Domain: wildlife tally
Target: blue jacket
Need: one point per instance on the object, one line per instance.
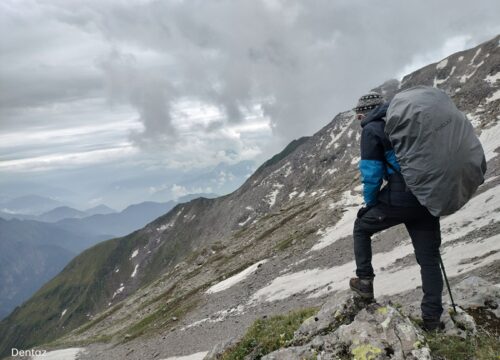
(376, 152)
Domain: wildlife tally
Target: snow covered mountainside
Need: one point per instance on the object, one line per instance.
(202, 273)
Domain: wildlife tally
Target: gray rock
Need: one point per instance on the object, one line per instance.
(474, 292)
(339, 309)
(463, 320)
(292, 353)
(382, 332)
(219, 349)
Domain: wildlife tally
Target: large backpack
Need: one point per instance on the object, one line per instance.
(441, 158)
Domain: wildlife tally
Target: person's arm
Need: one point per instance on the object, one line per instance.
(372, 165)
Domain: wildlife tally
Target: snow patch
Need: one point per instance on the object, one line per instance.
(218, 316)
(341, 229)
(302, 194)
(171, 223)
(442, 64)
(64, 312)
(475, 55)
(188, 218)
(319, 282)
(440, 81)
(249, 208)
(347, 199)
(495, 96)
(355, 160)
(492, 79)
(478, 212)
(271, 197)
(292, 195)
(334, 137)
(460, 58)
(63, 354)
(243, 223)
(490, 139)
(134, 254)
(331, 171)
(474, 119)
(197, 356)
(135, 271)
(287, 168)
(164, 227)
(226, 284)
(288, 171)
(118, 291)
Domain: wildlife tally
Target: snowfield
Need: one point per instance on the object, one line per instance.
(226, 284)
(64, 354)
(478, 212)
(197, 356)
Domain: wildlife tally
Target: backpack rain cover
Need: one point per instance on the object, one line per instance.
(441, 158)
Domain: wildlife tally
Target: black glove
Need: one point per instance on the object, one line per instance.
(363, 211)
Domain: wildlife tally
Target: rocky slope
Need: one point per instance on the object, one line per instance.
(200, 274)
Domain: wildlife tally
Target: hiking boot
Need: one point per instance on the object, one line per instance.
(362, 287)
(431, 324)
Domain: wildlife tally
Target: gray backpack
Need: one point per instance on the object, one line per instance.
(441, 158)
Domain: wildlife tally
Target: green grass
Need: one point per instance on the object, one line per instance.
(267, 335)
(484, 346)
(285, 243)
(162, 318)
(100, 318)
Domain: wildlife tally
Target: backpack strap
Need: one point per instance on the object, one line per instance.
(392, 167)
(397, 172)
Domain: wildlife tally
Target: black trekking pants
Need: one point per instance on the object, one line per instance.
(425, 235)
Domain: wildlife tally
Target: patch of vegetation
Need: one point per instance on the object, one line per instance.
(267, 335)
(282, 222)
(483, 346)
(164, 317)
(285, 243)
(100, 318)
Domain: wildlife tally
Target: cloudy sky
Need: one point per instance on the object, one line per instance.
(115, 102)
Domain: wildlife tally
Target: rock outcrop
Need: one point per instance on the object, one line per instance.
(347, 326)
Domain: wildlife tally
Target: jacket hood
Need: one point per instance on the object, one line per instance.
(376, 114)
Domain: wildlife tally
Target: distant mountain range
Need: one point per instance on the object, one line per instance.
(33, 251)
(28, 205)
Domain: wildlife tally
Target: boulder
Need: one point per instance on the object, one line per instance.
(382, 332)
(339, 309)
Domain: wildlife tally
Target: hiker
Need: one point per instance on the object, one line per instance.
(392, 205)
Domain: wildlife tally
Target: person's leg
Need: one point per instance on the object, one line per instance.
(378, 218)
(425, 234)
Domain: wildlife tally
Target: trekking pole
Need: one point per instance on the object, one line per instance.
(447, 284)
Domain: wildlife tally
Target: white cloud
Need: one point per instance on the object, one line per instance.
(179, 191)
(69, 160)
